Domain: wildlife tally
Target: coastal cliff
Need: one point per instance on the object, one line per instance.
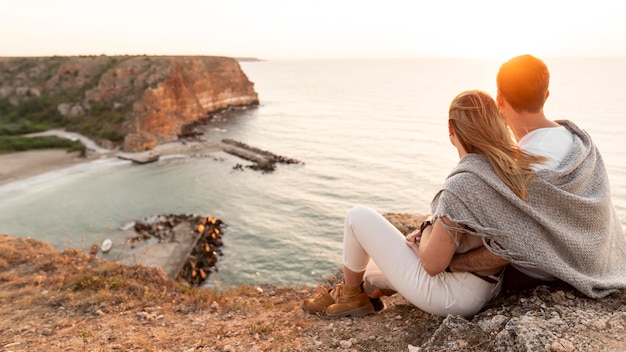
(132, 102)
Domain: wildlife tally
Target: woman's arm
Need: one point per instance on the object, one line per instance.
(435, 246)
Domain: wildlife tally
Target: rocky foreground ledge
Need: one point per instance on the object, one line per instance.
(74, 301)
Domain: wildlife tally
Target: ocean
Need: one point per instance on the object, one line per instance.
(371, 132)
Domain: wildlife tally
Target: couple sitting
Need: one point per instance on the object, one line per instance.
(540, 207)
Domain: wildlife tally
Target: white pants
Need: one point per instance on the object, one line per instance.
(373, 243)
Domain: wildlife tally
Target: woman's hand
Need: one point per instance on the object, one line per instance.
(413, 240)
(414, 237)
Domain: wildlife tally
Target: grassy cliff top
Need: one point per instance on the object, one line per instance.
(71, 301)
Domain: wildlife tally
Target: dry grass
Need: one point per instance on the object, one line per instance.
(71, 301)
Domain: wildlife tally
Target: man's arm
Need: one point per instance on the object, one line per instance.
(478, 259)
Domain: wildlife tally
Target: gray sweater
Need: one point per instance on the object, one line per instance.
(567, 227)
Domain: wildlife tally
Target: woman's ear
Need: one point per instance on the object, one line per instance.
(450, 129)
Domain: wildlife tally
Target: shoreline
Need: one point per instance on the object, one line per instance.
(19, 166)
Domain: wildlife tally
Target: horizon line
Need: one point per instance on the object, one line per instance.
(330, 58)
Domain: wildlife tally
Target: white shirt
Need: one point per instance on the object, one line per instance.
(555, 143)
(552, 142)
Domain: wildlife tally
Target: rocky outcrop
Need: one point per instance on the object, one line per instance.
(194, 87)
(136, 102)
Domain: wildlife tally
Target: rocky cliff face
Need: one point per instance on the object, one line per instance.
(136, 102)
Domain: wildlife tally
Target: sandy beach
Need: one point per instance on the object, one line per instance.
(20, 165)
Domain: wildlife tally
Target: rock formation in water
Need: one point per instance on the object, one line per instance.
(136, 102)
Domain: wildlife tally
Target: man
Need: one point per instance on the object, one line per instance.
(522, 91)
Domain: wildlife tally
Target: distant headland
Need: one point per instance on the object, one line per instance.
(130, 102)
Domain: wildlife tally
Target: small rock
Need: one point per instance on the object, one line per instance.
(600, 324)
(562, 345)
(142, 315)
(496, 323)
(414, 348)
(345, 344)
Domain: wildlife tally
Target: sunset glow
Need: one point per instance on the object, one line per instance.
(281, 29)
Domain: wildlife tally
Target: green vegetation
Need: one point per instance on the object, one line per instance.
(22, 114)
(33, 114)
(17, 144)
(53, 64)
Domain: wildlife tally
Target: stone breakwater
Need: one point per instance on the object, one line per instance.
(202, 234)
(203, 257)
(264, 160)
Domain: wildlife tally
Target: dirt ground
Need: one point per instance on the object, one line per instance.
(70, 301)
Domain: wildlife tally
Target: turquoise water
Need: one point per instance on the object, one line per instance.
(369, 132)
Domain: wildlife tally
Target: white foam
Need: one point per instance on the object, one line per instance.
(64, 173)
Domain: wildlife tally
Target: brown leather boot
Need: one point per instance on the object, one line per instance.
(376, 292)
(351, 301)
(322, 300)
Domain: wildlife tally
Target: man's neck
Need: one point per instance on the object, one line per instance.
(522, 124)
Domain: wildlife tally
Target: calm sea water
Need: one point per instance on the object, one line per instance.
(369, 132)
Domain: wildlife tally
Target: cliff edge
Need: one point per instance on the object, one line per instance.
(72, 301)
(133, 102)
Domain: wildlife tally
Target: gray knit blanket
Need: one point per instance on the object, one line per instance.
(567, 227)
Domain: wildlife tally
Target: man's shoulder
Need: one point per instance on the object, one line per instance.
(544, 137)
(554, 143)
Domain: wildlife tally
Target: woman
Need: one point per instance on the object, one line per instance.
(415, 266)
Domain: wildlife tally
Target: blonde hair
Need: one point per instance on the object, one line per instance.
(481, 129)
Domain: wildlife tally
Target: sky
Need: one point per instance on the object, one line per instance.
(320, 29)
